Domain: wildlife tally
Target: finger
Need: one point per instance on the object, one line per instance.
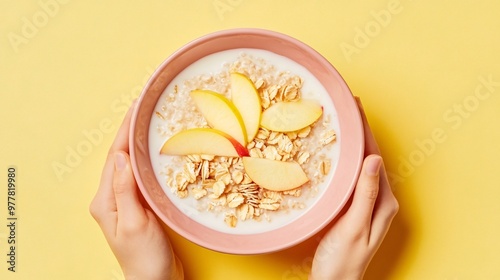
(104, 200)
(384, 211)
(103, 206)
(120, 144)
(128, 205)
(386, 206)
(366, 193)
(371, 146)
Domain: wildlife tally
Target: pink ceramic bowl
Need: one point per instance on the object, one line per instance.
(327, 206)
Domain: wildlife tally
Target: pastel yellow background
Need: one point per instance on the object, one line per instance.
(428, 73)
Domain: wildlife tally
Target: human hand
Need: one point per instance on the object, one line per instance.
(354, 237)
(134, 234)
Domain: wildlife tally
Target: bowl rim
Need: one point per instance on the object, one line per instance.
(357, 147)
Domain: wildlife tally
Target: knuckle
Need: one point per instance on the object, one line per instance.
(371, 191)
(395, 207)
(95, 210)
(120, 186)
(133, 227)
(390, 209)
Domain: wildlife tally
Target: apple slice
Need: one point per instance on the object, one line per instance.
(291, 116)
(220, 114)
(203, 141)
(274, 175)
(247, 100)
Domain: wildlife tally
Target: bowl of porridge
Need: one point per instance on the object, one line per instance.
(246, 141)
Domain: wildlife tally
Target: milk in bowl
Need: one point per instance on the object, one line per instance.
(238, 164)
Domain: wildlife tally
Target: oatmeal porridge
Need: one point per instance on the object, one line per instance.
(219, 190)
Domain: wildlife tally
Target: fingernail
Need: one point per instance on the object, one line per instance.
(372, 167)
(120, 161)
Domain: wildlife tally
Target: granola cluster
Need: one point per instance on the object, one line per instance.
(220, 183)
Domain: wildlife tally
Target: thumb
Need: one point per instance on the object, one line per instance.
(128, 205)
(366, 191)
